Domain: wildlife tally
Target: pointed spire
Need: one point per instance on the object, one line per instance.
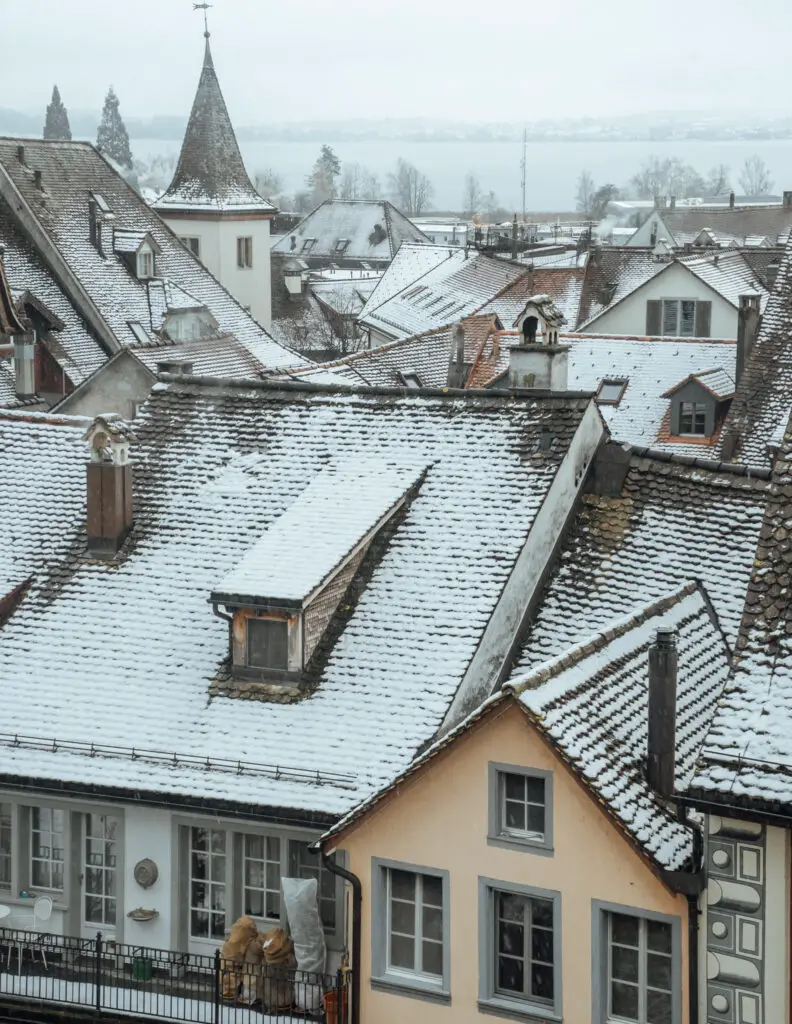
(210, 173)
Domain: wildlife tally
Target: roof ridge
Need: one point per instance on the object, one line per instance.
(619, 627)
(692, 461)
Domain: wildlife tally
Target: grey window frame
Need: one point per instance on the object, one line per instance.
(67, 901)
(236, 829)
(496, 833)
(492, 1002)
(192, 243)
(600, 959)
(7, 856)
(418, 986)
(142, 258)
(698, 409)
(615, 382)
(244, 246)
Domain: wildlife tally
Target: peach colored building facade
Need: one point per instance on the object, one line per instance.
(438, 819)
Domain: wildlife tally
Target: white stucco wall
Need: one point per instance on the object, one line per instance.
(629, 315)
(250, 286)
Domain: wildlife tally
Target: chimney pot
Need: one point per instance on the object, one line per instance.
(661, 759)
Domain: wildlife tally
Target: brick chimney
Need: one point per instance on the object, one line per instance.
(109, 480)
(748, 318)
(661, 759)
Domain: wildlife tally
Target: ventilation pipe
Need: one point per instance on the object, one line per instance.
(661, 760)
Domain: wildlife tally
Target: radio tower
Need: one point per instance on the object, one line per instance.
(524, 167)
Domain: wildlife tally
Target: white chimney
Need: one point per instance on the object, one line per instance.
(25, 365)
(545, 367)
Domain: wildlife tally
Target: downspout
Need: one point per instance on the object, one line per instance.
(229, 619)
(357, 904)
(693, 921)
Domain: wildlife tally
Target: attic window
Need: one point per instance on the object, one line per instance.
(308, 244)
(145, 263)
(693, 419)
(341, 245)
(285, 591)
(610, 392)
(139, 331)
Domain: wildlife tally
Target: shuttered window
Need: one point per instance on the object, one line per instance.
(678, 318)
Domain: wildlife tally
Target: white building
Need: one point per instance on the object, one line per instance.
(212, 205)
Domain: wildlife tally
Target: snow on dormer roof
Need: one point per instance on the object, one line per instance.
(717, 381)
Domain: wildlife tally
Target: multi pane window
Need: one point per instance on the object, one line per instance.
(523, 806)
(47, 847)
(268, 644)
(693, 418)
(640, 972)
(5, 846)
(415, 922)
(245, 252)
(145, 263)
(261, 865)
(101, 852)
(304, 863)
(208, 870)
(679, 318)
(524, 948)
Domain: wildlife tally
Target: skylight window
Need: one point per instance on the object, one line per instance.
(410, 379)
(308, 244)
(611, 391)
(341, 245)
(139, 331)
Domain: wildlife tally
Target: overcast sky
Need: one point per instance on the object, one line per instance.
(511, 60)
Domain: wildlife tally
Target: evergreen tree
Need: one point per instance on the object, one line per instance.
(57, 125)
(322, 181)
(112, 137)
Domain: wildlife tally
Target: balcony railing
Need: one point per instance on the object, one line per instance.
(112, 977)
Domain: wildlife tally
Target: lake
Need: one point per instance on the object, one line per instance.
(553, 167)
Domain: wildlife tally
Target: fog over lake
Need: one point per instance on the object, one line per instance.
(553, 167)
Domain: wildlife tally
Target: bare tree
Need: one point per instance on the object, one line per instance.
(493, 211)
(351, 182)
(669, 177)
(717, 181)
(411, 190)
(755, 178)
(268, 183)
(370, 187)
(585, 192)
(473, 197)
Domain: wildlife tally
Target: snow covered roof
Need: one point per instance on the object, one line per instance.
(672, 521)
(222, 356)
(104, 289)
(351, 229)
(764, 392)
(747, 755)
(717, 381)
(592, 704)
(28, 275)
(614, 273)
(316, 535)
(210, 174)
(457, 284)
(215, 466)
(767, 221)
(562, 284)
(131, 241)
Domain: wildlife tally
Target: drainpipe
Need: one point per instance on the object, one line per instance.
(693, 921)
(357, 904)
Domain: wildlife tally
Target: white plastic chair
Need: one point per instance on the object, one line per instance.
(42, 911)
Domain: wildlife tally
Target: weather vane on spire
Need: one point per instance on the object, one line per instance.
(204, 7)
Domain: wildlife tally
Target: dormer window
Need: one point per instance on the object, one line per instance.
(699, 404)
(283, 594)
(145, 263)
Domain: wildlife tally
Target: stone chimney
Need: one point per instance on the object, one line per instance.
(771, 275)
(661, 752)
(748, 318)
(109, 479)
(457, 371)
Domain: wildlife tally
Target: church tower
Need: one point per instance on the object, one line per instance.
(212, 205)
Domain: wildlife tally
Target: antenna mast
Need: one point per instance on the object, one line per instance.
(524, 167)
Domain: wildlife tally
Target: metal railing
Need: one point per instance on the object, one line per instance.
(110, 977)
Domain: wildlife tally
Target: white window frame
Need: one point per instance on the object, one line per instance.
(677, 332)
(600, 982)
(502, 1004)
(235, 879)
(50, 860)
(7, 845)
(146, 263)
(106, 870)
(244, 252)
(433, 987)
(499, 834)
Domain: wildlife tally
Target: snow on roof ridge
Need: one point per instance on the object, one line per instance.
(619, 627)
